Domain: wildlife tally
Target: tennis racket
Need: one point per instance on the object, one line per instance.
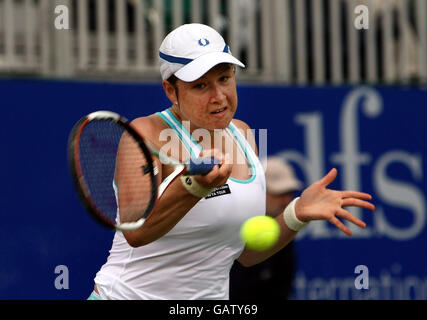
(114, 173)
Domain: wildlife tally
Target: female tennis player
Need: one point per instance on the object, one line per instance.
(186, 247)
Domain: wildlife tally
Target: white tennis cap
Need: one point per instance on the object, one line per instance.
(280, 177)
(191, 50)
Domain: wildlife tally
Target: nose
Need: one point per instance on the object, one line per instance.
(217, 94)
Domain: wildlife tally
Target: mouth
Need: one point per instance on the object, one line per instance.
(219, 112)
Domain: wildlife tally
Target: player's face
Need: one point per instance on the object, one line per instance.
(210, 102)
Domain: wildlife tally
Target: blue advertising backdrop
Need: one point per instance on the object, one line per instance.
(375, 136)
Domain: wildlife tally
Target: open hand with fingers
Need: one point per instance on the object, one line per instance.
(317, 202)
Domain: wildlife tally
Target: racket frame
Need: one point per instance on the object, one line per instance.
(78, 177)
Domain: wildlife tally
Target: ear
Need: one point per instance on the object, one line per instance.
(170, 91)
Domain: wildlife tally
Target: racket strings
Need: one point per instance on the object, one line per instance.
(116, 181)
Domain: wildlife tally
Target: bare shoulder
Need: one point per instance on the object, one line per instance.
(241, 124)
(149, 126)
(152, 121)
(244, 128)
(247, 132)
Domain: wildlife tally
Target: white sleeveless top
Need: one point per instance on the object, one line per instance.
(193, 260)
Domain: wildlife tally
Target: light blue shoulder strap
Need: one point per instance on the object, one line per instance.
(193, 148)
(246, 149)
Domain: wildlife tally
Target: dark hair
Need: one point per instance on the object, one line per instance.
(172, 80)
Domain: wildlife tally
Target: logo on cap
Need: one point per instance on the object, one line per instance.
(203, 42)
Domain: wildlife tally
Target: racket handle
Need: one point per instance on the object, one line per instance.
(201, 166)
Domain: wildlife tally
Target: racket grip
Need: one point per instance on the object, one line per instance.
(201, 166)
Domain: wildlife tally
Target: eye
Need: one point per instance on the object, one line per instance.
(224, 78)
(199, 85)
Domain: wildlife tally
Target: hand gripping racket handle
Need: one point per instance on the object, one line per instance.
(201, 166)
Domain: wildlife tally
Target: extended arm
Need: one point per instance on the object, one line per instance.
(317, 202)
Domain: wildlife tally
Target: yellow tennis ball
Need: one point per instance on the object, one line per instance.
(260, 232)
